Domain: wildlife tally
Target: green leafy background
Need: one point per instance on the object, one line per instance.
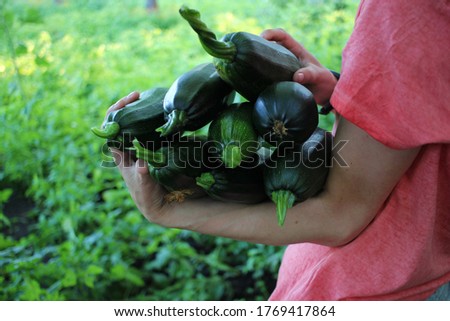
(68, 227)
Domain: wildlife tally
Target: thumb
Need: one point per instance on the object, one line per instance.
(142, 169)
(305, 75)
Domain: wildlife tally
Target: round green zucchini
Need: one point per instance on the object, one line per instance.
(285, 112)
(295, 174)
(233, 135)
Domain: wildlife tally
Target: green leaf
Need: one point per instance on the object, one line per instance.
(118, 272)
(5, 242)
(32, 15)
(5, 194)
(4, 221)
(134, 277)
(7, 17)
(89, 281)
(70, 279)
(31, 290)
(21, 49)
(162, 258)
(41, 61)
(94, 270)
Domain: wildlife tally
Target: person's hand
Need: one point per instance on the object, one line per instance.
(313, 75)
(146, 193)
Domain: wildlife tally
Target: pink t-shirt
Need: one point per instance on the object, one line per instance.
(395, 84)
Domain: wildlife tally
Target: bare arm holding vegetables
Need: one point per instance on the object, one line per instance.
(350, 200)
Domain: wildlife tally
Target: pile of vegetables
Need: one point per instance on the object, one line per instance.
(263, 141)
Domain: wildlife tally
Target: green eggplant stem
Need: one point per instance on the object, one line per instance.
(284, 200)
(109, 130)
(175, 121)
(220, 49)
(156, 159)
(205, 181)
(232, 156)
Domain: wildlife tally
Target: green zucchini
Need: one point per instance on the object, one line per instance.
(194, 99)
(298, 173)
(137, 120)
(239, 185)
(285, 112)
(233, 136)
(176, 166)
(249, 63)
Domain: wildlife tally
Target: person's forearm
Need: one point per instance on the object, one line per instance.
(311, 221)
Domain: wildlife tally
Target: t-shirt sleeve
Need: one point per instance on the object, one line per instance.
(395, 77)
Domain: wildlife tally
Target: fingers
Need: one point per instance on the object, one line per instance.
(277, 35)
(122, 159)
(319, 80)
(133, 96)
(283, 38)
(126, 162)
(124, 101)
(306, 75)
(142, 168)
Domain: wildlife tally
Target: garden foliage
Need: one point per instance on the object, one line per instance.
(68, 227)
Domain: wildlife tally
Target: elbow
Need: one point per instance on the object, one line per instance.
(347, 224)
(341, 238)
(336, 239)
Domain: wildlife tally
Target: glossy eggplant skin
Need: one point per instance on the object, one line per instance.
(137, 120)
(234, 136)
(299, 172)
(239, 185)
(194, 99)
(285, 112)
(258, 63)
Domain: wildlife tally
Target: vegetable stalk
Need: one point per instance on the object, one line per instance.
(232, 157)
(205, 181)
(156, 159)
(220, 49)
(108, 131)
(176, 119)
(284, 200)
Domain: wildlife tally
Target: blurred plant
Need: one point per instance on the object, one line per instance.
(61, 66)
